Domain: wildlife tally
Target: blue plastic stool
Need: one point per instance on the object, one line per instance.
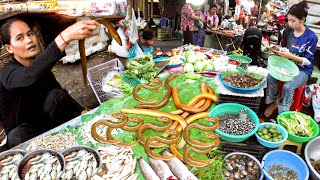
(164, 22)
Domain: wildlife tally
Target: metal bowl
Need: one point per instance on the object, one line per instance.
(32, 154)
(13, 152)
(311, 149)
(89, 149)
(244, 154)
(266, 55)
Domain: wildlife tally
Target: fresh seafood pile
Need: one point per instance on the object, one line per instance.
(81, 165)
(231, 123)
(85, 129)
(242, 80)
(8, 166)
(169, 169)
(58, 142)
(117, 163)
(241, 166)
(42, 166)
(279, 172)
(316, 165)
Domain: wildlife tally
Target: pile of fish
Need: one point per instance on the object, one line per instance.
(58, 142)
(8, 167)
(165, 169)
(80, 165)
(117, 163)
(242, 80)
(238, 166)
(42, 166)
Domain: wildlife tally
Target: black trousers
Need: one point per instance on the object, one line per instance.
(187, 36)
(58, 107)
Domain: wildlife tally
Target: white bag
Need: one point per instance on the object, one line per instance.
(316, 103)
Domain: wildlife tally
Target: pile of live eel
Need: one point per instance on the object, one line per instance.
(177, 118)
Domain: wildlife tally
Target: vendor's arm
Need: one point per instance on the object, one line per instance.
(19, 77)
(156, 50)
(309, 53)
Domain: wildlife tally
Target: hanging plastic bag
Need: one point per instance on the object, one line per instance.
(111, 84)
(316, 103)
(121, 51)
(135, 51)
(133, 31)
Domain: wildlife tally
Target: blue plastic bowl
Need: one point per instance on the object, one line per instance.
(271, 144)
(286, 159)
(241, 90)
(234, 108)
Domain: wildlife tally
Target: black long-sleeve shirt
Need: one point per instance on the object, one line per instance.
(23, 89)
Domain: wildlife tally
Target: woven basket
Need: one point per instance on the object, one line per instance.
(282, 69)
(5, 56)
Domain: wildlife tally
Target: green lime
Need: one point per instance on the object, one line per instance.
(272, 131)
(260, 130)
(275, 139)
(267, 126)
(267, 137)
(280, 137)
(274, 127)
(278, 132)
(265, 131)
(260, 134)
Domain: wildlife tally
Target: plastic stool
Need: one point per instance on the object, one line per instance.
(288, 142)
(316, 74)
(298, 96)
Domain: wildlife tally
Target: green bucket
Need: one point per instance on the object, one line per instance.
(281, 68)
(300, 139)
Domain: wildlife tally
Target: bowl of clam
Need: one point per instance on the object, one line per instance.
(41, 164)
(238, 165)
(82, 162)
(9, 161)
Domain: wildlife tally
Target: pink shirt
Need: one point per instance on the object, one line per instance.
(213, 19)
(186, 17)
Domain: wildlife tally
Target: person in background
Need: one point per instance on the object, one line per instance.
(31, 99)
(147, 45)
(251, 44)
(187, 23)
(301, 48)
(212, 22)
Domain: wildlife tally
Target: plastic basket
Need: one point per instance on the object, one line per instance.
(95, 75)
(131, 81)
(282, 69)
(164, 33)
(251, 102)
(244, 60)
(250, 146)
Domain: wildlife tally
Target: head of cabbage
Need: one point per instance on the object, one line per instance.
(188, 67)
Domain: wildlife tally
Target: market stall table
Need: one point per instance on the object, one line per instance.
(219, 34)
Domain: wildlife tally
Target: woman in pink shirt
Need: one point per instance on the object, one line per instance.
(187, 22)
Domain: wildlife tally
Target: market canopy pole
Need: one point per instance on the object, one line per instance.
(145, 9)
(151, 9)
(260, 8)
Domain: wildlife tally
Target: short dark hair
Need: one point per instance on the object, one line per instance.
(5, 29)
(213, 6)
(299, 10)
(147, 35)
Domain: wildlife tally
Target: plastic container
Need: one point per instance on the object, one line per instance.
(131, 81)
(282, 69)
(244, 60)
(240, 90)
(300, 139)
(32, 154)
(271, 144)
(312, 151)
(286, 159)
(234, 108)
(244, 154)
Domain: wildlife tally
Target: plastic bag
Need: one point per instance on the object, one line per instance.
(316, 103)
(121, 51)
(133, 31)
(111, 84)
(135, 51)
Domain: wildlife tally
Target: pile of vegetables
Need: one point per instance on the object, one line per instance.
(298, 124)
(197, 62)
(142, 67)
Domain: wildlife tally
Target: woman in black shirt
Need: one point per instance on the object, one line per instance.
(31, 99)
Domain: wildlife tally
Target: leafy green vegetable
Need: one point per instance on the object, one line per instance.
(211, 172)
(298, 124)
(126, 88)
(142, 67)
